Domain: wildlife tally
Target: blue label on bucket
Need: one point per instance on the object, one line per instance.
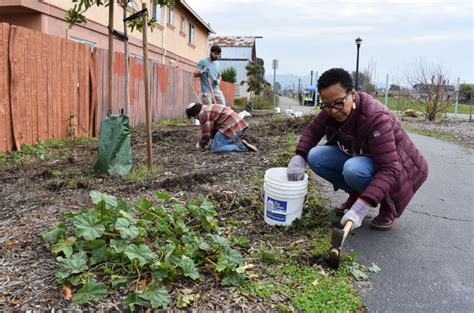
(276, 206)
(276, 217)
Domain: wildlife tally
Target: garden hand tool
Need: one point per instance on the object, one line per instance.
(337, 240)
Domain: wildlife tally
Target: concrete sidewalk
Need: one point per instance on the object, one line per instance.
(427, 258)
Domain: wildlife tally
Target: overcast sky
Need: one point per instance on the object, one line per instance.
(316, 35)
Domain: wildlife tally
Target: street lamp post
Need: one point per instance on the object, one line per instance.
(358, 42)
(311, 84)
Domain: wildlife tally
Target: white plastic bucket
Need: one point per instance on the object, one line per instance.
(284, 199)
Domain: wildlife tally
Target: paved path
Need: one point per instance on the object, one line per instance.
(427, 259)
(288, 103)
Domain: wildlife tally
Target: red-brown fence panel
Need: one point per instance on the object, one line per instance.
(170, 89)
(6, 136)
(50, 89)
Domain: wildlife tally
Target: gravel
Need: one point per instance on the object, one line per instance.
(460, 132)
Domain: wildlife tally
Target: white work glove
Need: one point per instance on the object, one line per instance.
(218, 82)
(198, 146)
(356, 214)
(295, 169)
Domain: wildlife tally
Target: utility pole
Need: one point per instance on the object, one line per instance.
(386, 91)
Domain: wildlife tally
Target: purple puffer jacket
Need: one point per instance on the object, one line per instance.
(373, 130)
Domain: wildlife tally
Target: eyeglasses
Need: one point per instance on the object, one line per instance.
(338, 105)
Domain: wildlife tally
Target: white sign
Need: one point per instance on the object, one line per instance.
(274, 64)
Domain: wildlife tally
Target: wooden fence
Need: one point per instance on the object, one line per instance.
(52, 88)
(5, 115)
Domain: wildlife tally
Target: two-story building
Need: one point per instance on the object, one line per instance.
(180, 38)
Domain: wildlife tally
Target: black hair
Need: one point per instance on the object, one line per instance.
(335, 76)
(216, 48)
(194, 110)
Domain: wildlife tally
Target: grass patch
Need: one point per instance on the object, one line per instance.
(42, 150)
(173, 122)
(425, 132)
(141, 173)
(257, 103)
(305, 289)
(412, 104)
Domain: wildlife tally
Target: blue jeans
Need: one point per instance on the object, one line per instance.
(222, 143)
(343, 171)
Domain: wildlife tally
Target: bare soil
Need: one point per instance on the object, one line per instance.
(34, 194)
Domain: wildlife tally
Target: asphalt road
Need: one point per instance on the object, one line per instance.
(427, 259)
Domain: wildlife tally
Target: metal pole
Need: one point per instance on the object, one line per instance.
(111, 56)
(386, 91)
(274, 87)
(357, 69)
(470, 110)
(299, 91)
(316, 93)
(358, 41)
(147, 95)
(457, 98)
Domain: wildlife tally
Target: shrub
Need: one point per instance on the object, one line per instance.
(229, 75)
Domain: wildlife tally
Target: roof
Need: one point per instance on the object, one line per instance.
(190, 10)
(236, 53)
(233, 41)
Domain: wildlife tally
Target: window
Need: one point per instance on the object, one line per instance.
(132, 4)
(191, 33)
(183, 23)
(170, 15)
(136, 56)
(83, 41)
(158, 13)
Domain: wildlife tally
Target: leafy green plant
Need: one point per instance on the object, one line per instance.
(229, 75)
(359, 271)
(73, 128)
(144, 245)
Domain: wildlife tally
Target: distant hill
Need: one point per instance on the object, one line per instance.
(287, 80)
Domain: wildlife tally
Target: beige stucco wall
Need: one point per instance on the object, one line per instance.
(173, 42)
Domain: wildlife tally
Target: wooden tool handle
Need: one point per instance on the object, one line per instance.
(346, 230)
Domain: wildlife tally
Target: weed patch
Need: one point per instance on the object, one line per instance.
(305, 288)
(141, 173)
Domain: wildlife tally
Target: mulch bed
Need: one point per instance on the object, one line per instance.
(34, 194)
